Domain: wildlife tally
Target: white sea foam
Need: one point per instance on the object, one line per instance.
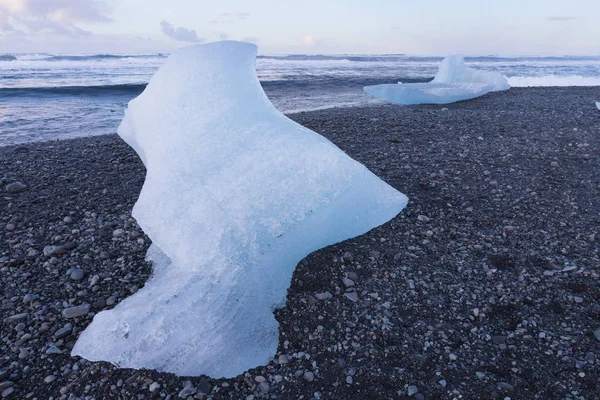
(554, 80)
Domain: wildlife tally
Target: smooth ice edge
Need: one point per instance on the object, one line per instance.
(428, 93)
(453, 82)
(453, 70)
(236, 194)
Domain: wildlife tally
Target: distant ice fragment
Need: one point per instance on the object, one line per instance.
(428, 93)
(453, 70)
(236, 194)
(598, 105)
(453, 82)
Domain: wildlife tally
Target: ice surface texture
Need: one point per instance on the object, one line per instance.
(453, 70)
(236, 194)
(453, 82)
(428, 93)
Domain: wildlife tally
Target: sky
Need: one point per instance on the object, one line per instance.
(419, 27)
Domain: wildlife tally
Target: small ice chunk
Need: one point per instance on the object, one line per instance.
(453, 70)
(453, 82)
(235, 195)
(428, 93)
(598, 105)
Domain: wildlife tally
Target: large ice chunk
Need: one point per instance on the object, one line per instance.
(428, 93)
(453, 70)
(236, 194)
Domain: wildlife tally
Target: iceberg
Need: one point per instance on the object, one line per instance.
(453, 70)
(453, 82)
(236, 194)
(428, 93)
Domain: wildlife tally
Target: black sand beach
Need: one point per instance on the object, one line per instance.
(487, 286)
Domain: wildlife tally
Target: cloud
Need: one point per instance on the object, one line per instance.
(560, 18)
(180, 34)
(60, 17)
(229, 17)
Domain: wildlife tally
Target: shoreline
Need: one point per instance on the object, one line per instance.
(486, 286)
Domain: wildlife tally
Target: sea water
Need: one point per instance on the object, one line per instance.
(58, 96)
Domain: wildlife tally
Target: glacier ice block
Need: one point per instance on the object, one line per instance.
(428, 93)
(235, 195)
(453, 70)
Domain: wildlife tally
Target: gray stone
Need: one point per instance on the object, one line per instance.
(53, 349)
(67, 220)
(29, 298)
(77, 274)
(323, 296)
(118, 233)
(348, 257)
(283, 359)
(153, 386)
(50, 250)
(597, 333)
(77, 311)
(309, 376)
(412, 390)
(352, 296)
(349, 380)
(15, 187)
(50, 379)
(7, 392)
(348, 282)
(264, 387)
(16, 317)
(64, 331)
(260, 379)
(187, 390)
(507, 387)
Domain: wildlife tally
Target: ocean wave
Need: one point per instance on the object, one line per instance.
(73, 90)
(7, 57)
(554, 80)
(92, 57)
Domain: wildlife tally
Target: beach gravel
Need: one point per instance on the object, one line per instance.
(485, 287)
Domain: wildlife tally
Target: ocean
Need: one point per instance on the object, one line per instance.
(59, 96)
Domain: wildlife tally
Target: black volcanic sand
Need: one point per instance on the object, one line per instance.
(487, 286)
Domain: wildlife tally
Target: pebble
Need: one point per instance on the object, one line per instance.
(16, 317)
(480, 374)
(153, 386)
(67, 220)
(264, 387)
(260, 379)
(412, 390)
(118, 233)
(323, 296)
(505, 386)
(309, 376)
(15, 187)
(77, 311)
(349, 380)
(554, 164)
(423, 218)
(188, 390)
(348, 282)
(352, 296)
(283, 359)
(77, 274)
(8, 392)
(64, 331)
(50, 379)
(348, 257)
(597, 333)
(29, 298)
